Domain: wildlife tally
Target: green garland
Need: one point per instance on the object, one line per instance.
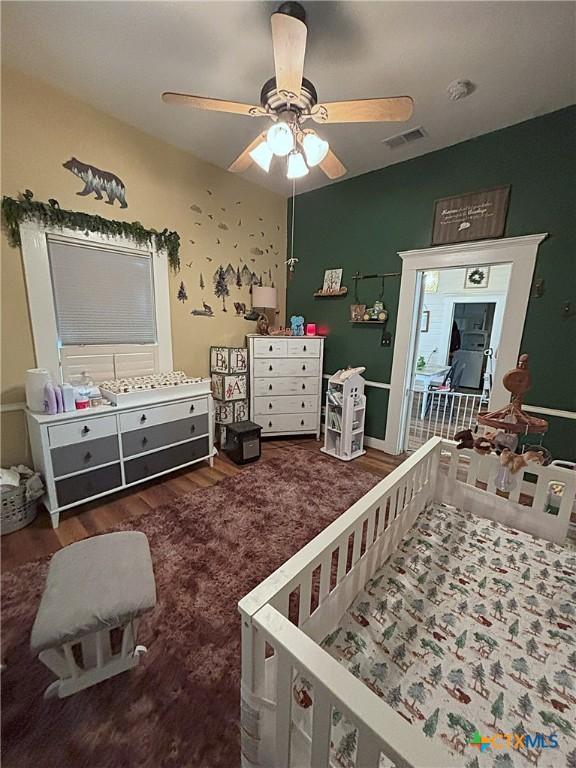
(49, 214)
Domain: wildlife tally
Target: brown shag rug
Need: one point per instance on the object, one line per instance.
(180, 706)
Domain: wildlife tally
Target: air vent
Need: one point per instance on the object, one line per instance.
(404, 138)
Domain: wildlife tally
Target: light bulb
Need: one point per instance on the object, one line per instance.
(262, 155)
(280, 139)
(315, 149)
(296, 166)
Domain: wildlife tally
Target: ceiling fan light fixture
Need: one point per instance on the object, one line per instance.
(280, 139)
(296, 166)
(315, 149)
(262, 156)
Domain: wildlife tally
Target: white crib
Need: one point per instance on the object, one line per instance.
(274, 649)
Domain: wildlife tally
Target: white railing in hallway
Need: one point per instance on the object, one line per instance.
(441, 414)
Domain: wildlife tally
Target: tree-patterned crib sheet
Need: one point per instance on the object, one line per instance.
(468, 633)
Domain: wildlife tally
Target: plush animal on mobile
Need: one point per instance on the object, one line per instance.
(297, 325)
(98, 182)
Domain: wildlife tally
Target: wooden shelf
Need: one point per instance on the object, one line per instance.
(322, 295)
(368, 322)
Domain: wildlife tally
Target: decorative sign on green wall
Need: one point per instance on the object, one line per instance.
(476, 216)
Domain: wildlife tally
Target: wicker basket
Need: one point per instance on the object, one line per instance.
(18, 508)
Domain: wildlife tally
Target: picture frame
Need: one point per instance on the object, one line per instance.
(425, 321)
(332, 280)
(357, 312)
(477, 277)
(472, 216)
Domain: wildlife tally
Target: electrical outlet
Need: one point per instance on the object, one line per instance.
(386, 339)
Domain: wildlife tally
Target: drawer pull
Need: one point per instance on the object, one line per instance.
(143, 418)
(303, 405)
(144, 441)
(269, 387)
(304, 347)
(269, 423)
(85, 430)
(303, 386)
(269, 405)
(304, 367)
(269, 367)
(87, 456)
(270, 348)
(192, 427)
(302, 422)
(192, 408)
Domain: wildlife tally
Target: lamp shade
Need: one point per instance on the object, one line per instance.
(264, 296)
(262, 155)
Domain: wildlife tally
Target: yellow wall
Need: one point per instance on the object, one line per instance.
(41, 128)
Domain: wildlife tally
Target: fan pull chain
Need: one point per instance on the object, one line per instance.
(292, 260)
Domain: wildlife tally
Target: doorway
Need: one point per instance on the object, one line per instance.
(518, 252)
(459, 336)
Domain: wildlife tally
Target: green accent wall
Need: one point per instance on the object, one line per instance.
(361, 224)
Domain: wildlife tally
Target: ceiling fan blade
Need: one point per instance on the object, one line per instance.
(332, 167)
(396, 108)
(289, 42)
(213, 105)
(244, 161)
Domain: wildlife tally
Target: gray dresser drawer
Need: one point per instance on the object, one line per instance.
(88, 484)
(142, 440)
(73, 458)
(161, 461)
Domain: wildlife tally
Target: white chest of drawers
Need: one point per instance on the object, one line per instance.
(286, 383)
(83, 455)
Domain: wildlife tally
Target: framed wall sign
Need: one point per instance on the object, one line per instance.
(475, 216)
(477, 277)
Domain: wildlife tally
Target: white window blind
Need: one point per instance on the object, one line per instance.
(101, 295)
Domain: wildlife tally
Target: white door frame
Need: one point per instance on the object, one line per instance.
(520, 253)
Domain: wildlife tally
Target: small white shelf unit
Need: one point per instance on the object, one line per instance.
(345, 416)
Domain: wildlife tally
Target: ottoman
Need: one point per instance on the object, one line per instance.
(93, 587)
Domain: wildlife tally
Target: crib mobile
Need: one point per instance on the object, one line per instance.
(509, 422)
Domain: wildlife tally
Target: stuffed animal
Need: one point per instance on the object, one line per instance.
(297, 324)
(464, 438)
(483, 446)
(501, 440)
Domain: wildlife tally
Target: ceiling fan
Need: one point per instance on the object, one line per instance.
(289, 100)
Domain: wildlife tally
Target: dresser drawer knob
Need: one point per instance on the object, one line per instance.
(269, 423)
(143, 418)
(269, 405)
(87, 456)
(192, 427)
(269, 367)
(304, 367)
(304, 347)
(270, 348)
(85, 430)
(269, 387)
(192, 408)
(144, 441)
(303, 405)
(302, 422)
(303, 386)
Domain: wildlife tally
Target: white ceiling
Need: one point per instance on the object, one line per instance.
(120, 56)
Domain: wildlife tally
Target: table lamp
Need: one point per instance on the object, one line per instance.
(263, 298)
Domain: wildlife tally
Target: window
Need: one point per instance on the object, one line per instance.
(102, 296)
(98, 305)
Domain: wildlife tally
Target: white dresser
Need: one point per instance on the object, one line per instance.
(85, 454)
(286, 383)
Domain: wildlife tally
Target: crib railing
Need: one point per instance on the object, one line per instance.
(311, 591)
(285, 617)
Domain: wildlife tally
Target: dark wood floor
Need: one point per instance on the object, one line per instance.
(40, 539)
